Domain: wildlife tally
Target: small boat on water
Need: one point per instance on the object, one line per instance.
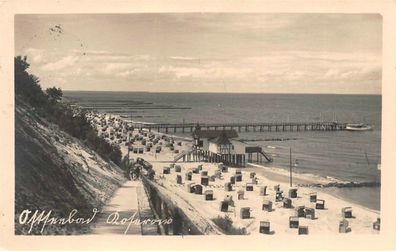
(358, 127)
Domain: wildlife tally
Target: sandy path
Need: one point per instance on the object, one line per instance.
(125, 202)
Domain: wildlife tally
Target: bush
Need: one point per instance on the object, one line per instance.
(225, 224)
(27, 87)
(54, 94)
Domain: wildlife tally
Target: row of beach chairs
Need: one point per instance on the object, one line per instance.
(245, 212)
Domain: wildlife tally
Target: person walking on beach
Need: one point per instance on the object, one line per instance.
(137, 172)
(131, 173)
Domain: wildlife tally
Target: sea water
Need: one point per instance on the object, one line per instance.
(336, 155)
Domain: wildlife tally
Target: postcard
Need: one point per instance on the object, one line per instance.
(186, 120)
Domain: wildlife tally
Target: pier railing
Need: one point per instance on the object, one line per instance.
(246, 127)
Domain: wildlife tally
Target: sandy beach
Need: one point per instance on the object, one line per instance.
(326, 221)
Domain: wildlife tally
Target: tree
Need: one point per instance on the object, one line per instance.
(27, 85)
(54, 94)
(28, 89)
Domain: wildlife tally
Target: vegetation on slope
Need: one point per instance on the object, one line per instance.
(47, 104)
(53, 170)
(225, 224)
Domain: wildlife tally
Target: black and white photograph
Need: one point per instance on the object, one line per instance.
(197, 125)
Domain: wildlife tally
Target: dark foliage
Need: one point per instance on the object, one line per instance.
(225, 224)
(54, 94)
(27, 87)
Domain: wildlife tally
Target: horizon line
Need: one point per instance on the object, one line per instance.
(296, 93)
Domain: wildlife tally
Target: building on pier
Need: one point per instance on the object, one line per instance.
(222, 146)
(203, 138)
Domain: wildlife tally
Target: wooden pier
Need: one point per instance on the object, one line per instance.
(235, 160)
(246, 127)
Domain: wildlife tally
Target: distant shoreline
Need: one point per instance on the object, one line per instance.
(247, 93)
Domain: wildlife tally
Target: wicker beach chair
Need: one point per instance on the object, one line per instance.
(343, 226)
(198, 189)
(209, 195)
(293, 193)
(267, 205)
(309, 213)
(279, 196)
(303, 230)
(249, 187)
(313, 196)
(228, 186)
(263, 191)
(300, 211)
(179, 179)
(245, 213)
(346, 212)
(224, 206)
(320, 204)
(177, 168)
(232, 179)
(293, 222)
(166, 170)
(287, 203)
(264, 227)
(241, 195)
(205, 180)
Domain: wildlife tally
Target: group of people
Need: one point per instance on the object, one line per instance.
(134, 172)
(136, 169)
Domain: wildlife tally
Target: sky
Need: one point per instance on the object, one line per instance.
(204, 52)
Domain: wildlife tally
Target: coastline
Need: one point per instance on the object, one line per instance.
(281, 175)
(268, 176)
(337, 192)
